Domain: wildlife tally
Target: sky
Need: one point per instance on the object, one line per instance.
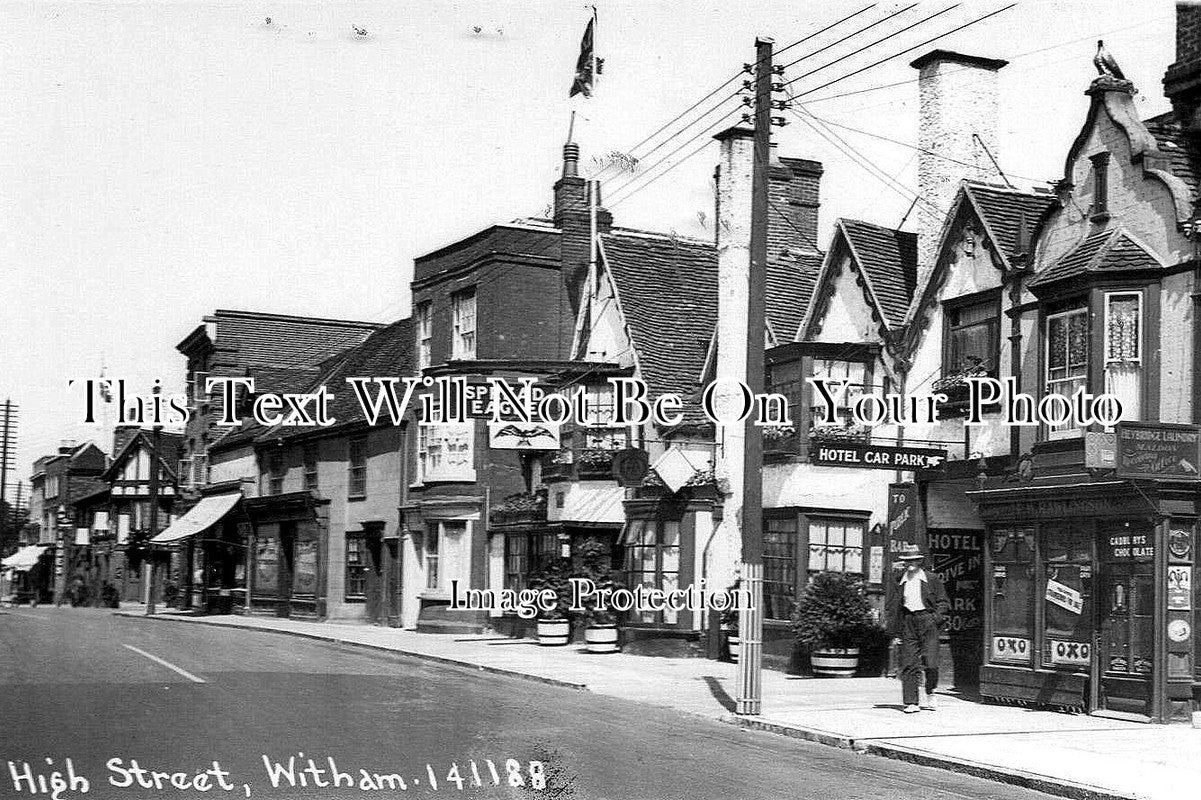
(159, 161)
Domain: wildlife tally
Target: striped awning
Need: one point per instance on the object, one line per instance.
(202, 516)
(24, 559)
(586, 502)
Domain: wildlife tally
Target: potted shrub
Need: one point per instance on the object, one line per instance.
(600, 634)
(832, 619)
(729, 627)
(554, 626)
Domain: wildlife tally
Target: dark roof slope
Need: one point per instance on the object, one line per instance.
(1003, 210)
(889, 259)
(286, 341)
(789, 289)
(1183, 154)
(1105, 251)
(668, 291)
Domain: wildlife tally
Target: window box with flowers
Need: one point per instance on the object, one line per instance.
(781, 439)
(520, 509)
(839, 433)
(593, 463)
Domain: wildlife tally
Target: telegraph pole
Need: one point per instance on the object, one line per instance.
(6, 436)
(750, 621)
(154, 468)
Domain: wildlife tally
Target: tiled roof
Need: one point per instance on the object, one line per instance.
(286, 341)
(386, 353)
(668, 290)
(789, 288)
(1003, 210)
(1182, 153)
(1107, 250)
(889, 259)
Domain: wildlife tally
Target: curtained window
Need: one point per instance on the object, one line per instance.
(1067, 358)
(1123, 350)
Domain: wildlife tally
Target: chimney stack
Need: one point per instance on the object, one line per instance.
(572, 215)
(794, 186)
(957, 103)
(122, 435)
(1182, 81)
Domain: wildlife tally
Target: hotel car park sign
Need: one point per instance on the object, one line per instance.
(874, 456)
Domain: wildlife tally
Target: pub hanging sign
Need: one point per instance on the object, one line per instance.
(1158, 450)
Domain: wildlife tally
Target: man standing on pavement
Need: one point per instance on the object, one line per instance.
(916, 613)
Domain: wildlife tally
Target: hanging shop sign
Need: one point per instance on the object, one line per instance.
(876, 456)
(1180, 587)
(630, 466)
(902, 516)
(523, 436)
(1158, 450)
(1100, 450)
(1064, 596)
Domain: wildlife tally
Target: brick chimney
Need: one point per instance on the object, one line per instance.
(122, 435)
(1182, 81)
(793, 187)
(957, 103)
(573, 216)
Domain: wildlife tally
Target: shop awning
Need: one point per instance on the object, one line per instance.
(205, 514)
(24, 559)
(595, 504)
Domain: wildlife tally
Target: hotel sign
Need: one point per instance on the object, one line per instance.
(873, 456)
(1158, 450)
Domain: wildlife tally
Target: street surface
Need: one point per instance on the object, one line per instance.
(84, 685)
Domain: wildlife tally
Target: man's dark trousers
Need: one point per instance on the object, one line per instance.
(919, 643)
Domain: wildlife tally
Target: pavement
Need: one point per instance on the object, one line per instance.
(1071, 755)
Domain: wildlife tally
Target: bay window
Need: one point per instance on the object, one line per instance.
(446, 555)
(446, 452)
(653, 560)
(855, 373)
(1124, 350)
(1066, 358)
(779, 566)
(836, 545)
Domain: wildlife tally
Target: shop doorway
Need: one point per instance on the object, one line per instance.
(1126, 647)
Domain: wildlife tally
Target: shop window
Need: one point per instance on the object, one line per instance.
(973, 343)
(425, 335)
(304, 570)
(1066, 358)
(310, 466)
(1124, 350)
(779, 567)
(1013, 594)
(356, 566)
(835, 545)
(266, 564)
(463, 322)
(525, 554)
(653, 560)
(1068, 607)
(357, 466)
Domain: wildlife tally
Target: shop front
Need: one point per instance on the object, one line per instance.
(210, 542)
(286, 555)
(1088, 603)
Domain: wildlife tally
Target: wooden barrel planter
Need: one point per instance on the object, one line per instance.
(835, 663)
(553, 632)
(601, 638)
(733, 644)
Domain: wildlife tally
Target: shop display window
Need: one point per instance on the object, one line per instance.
(1068, 595)
(1013, 594)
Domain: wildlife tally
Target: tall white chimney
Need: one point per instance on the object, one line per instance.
(733, 239)
(958, 111)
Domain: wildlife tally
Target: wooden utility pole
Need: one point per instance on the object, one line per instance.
(154, 468)
(5, 456)
(750, 622)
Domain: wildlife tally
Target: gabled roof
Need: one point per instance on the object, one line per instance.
(667, 291)
(667, 288)
(1110, 250)
(1003, 210)
(170, 448)
(886, 261)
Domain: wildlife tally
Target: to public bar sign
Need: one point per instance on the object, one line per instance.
(875, 456)
(1158, 450)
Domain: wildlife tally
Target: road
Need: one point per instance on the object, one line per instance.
(106, 691)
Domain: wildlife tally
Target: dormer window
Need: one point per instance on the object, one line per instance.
(1100, 185)
(1066, 358)
(973, 337)
(1124, 350)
